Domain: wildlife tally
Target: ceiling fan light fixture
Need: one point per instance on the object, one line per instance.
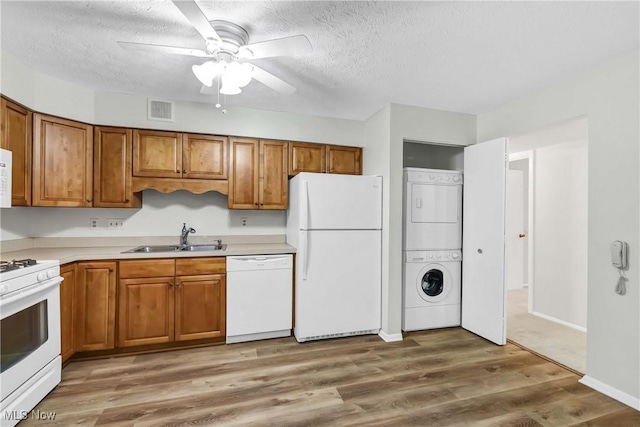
(228, 85)
(230, 90)
(238, 74)
(206, 72)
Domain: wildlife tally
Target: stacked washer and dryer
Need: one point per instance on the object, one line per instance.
(432, 243)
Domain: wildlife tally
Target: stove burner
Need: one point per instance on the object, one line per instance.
(16, 264)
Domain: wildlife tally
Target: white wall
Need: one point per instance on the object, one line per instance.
(376, 154)
(609, 96)
(161, 214)
(422, 155)
(560, 232)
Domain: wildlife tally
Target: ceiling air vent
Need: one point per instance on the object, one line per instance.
(158, 109)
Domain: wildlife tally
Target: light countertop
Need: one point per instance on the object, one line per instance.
(90, 253)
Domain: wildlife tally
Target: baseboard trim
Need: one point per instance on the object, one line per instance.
(390, 337)
(561, 322)
(614, 393)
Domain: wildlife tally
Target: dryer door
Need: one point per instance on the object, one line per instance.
(434, 203)
(434, 283)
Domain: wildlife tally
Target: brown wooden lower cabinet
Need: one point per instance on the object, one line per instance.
(145, 311)
(67, 288)
(95, 306)
(200, 307)
(162, 309)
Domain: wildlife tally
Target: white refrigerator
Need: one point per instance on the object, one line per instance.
(334, 222)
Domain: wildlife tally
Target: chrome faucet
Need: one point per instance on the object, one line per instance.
(185, 234)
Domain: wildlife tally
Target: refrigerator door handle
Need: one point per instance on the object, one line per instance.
(304, 215)
(305, 251)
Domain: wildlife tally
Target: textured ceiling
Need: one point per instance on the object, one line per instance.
(457, 56)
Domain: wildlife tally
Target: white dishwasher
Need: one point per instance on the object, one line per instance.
(259, 297)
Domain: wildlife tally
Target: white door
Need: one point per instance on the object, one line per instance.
(515, 229)
(483, 245)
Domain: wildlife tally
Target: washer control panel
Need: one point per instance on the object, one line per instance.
(430, 256)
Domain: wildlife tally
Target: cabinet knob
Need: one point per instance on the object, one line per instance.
(178, 171)
(88, 200)
(126, 200)
(261, 204)
(256, 203)
(184, 171)
(170, 284)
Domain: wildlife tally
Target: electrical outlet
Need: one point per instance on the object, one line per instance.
(244, 221)
(93, 223)
(115, 223)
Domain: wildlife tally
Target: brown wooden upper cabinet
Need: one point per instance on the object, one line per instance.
(16, 137)
(306, 157)
(258, 174)
(112, 169)
(162, 154)
(62, 162)
(344, 160)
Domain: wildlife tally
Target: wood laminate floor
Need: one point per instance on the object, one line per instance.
(446, 377)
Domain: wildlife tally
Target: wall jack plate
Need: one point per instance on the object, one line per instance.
(115, 223)
(93, 223)
(244, 221)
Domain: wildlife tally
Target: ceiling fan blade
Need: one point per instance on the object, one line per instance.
(272, 81)
(294, 45)
(194, 14)
(164, 49)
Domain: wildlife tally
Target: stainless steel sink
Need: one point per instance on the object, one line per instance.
(197, 248)
(152, 249)
(176, 248)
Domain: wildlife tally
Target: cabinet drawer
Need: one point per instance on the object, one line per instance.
(195, 266)
(147, 268)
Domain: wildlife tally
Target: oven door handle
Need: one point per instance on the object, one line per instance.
(33, 290)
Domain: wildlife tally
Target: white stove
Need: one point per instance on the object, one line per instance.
(16, 275)
(30, 362)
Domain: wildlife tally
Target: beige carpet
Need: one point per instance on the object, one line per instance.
(553, 340)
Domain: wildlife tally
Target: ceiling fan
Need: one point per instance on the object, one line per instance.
(227, 48)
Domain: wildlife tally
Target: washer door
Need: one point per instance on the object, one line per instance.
(433, 283)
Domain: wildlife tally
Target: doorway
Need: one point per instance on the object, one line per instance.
(546, 241)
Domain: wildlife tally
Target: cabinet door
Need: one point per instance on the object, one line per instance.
(344, 160)
(204, 156)
(200, 307)
(273, 175)
(67, 291)
(304, 157)
(145, 311)
(95, 306)
(157, 154)
(243, 174)
(16, 137)
(62, 162)
(112, 169)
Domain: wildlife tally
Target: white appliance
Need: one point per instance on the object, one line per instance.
(334, 222)
(30, 359)
(259, 297)
(433, 209)
(5, 178)
(432, 289)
